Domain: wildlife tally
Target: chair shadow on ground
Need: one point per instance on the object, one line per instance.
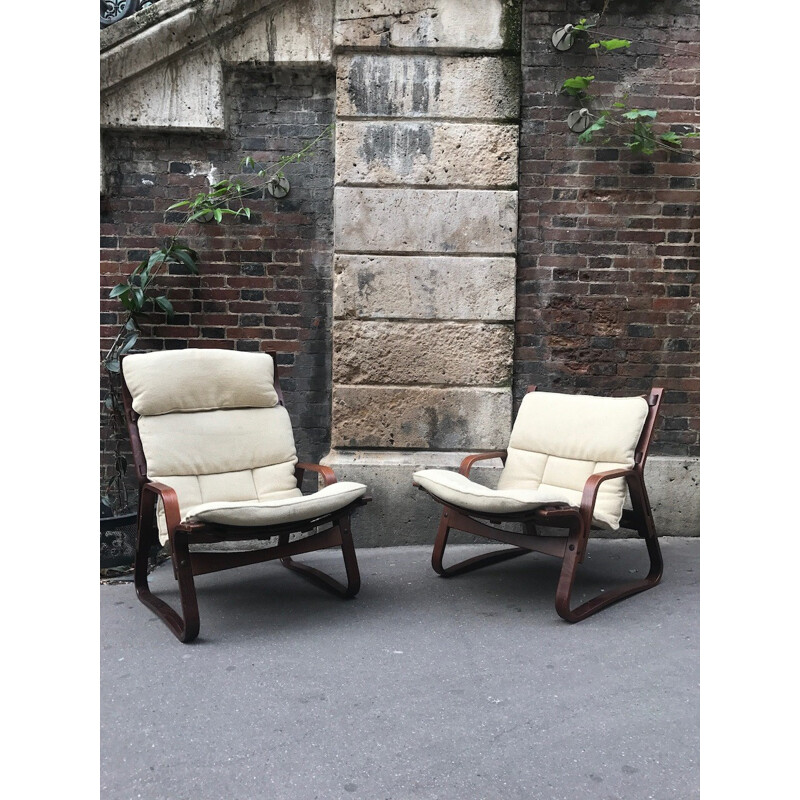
(265, 599)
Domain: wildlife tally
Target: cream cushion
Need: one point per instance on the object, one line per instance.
(199, 380)
(274, 512)
(452, 487)
(212, 428)
(557, 442)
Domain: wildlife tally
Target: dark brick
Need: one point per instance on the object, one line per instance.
(632, 246)
(607, 155)
(643, 168)
(640, 331)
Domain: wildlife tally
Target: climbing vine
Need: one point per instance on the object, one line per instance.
(637, 126)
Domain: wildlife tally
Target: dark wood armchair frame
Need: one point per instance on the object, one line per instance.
(186, 564)
(577, 520)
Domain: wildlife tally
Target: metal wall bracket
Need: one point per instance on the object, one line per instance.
(278, 187)
(564, 38)
(578, 121)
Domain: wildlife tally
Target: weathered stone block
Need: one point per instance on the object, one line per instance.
(434, 353)
(424, 287)
(425, 221)
(184, 93)
(477, 87)
(293, 33)
(420, 418)
(432, 153)
(467, 24)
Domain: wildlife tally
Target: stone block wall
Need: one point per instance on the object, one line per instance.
(425, 233)
(425, 223)
(264, 284)
(608, 279)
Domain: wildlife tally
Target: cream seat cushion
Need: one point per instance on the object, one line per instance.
(274, 512)
(452, 487)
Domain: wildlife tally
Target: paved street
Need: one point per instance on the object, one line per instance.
(469, 688)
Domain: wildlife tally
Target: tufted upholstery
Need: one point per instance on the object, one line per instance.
(212, 428)
(557, 442)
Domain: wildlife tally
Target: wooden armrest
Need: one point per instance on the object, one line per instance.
(591, 487)
(328, 476)
(466, 464)
(151, 492)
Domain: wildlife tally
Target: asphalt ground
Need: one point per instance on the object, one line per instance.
(420, 687)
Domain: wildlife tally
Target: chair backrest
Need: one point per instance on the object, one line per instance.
(211, 424)
(559, 440)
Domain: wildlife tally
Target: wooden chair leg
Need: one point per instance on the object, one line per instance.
(184, 628)
(576, 545)
(476, 562)
(324, 580)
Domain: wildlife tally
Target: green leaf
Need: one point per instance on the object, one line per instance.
(218, 214)
(185, 249)
(185, 257)
(112, 365)
(692, 135)
(594, 46)
(588, 134)
(165, 305)
(619, 105)
(119, 289)
(615, 44)
(577, 86)
(157, 257)
(179, 205)
(130, 325)
(109, 403)
(640, 114)
(130, 341)
(246, 212)
(138, 297)
(670, 137)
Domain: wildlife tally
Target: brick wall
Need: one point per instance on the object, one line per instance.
(607, 292)
(264, 284)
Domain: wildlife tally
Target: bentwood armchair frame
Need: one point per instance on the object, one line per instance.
(576, 520)
(186, 564)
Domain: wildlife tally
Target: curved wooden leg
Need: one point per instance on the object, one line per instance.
(324, 580)
(184, 628)
(469, 564)
(576, 544)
